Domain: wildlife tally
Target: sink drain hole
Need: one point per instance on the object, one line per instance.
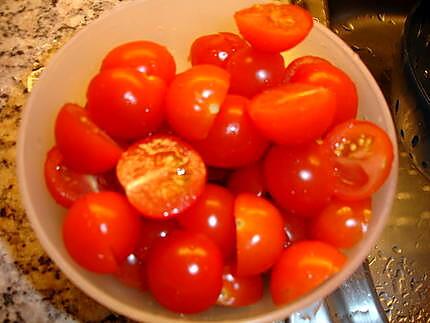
(425, 164)
(396, 107)
(402, 134)
(415, 141)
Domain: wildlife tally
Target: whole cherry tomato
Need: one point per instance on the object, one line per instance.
(300, 61)
(249, 179)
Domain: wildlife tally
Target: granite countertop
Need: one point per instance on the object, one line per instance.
(32, 288)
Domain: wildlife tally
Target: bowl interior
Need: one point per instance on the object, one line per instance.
(173, 23)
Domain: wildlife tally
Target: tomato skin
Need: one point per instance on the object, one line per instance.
(341, 224)
(162, 176)
(259, 234)
(194, 99)
(274, 27)
(281, 114)
(212, 215)
(233, 141)
(132, 272)
(301, 268)
(337, 81)
(295, 228)
(143, 56)
(84, 146)
(100, 230)
(125, 103)
(185, 272)
(300, 61)
(239, 291)
(252, 71)
(248, 179)
(363, 155)
(216, 49)
(300, 179)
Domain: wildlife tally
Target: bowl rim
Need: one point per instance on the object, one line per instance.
(123, 308)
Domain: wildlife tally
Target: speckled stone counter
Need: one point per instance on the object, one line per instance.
(32, 288)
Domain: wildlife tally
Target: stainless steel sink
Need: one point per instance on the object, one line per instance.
(399, 265)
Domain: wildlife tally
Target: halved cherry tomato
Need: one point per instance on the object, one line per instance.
(194, 100)
(293, 113)
(66, 185)
(342, 224)
(145, 57)
(260, 235)
(125, 103)
(239, 291)
(302, 267)
(213, 216)
(162, 176)
(335, 80)
(300, 179)
(100, 230)
(298, 62)
(274, 27)
(216, 49)
(185, 272)
(252, 71)
(248, 179)
(363, 155)
(84, 146)
(295, 228)
(233, 141)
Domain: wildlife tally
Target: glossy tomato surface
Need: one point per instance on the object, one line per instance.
(233, 140)
(249, 179)
(295, 228)
(185, 272)
(161, 175)
(294, 65)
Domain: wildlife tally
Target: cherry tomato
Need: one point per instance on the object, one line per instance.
(248, 179)
(84, 146)
(298, 62)
(213, 216)
(342, 224)
(274, 27)
(239, 291)
(294, 113)
(218, 175)
(260, 235)
(162, 176)
(252, 71)
(194, 100)
(66, 185)
(132, 272)
(216, 49)
(233, 141)
(295, 228)
(363, 155)
(145, 57)
(334, 79)
(100, 230)
(126, 103)
(300, 179)
(185, 272)
(301, 268)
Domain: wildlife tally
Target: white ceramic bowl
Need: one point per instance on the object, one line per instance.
(173, 23)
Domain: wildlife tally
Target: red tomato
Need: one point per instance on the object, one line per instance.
(335, 80)
(100, 230)
(216, 49)
(274, 27)
(295, 229)
(294, 113)
(248, 179)
(342, 224)
(363, 158)
(185, 272)
(194, 100)
(66, 185)
(301, 268)
(298, 62)
(145, 57)
(132, 272)
(84, 146)
(126, 103)
(213, 216)
(162, 176)
(239, 291)
(260, 235)
(300, 179)
(218, 175)
(252, 71)
(233, 141)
